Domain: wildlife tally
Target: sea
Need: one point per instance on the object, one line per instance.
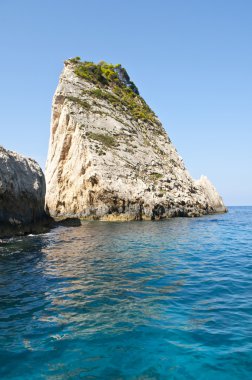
(166, 299)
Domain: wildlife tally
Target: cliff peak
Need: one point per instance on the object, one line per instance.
(103, 74)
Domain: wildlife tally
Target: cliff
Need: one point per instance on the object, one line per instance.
(109, 156)
(22, 194)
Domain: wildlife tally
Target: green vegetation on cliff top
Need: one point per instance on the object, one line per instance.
(116, 79)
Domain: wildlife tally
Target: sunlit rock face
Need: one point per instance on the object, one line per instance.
(22, 194)
(109, 156)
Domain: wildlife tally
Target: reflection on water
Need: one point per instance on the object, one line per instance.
(168, 300)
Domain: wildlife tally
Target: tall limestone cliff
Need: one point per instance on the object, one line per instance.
(109, 156)
(22, 195)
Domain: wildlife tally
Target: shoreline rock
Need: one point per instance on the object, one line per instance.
(22, 195)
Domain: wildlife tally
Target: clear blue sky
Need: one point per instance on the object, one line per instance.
(191, 60)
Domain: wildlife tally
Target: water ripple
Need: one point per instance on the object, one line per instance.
(169, 300)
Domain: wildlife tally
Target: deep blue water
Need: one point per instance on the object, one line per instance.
(140, 300)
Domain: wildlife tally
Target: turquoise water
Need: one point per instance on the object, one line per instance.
(140, 300)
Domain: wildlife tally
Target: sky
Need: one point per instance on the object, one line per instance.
(190, 59)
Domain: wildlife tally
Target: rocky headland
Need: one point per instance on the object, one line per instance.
(22, 195)
(109, 159)
(109, 156)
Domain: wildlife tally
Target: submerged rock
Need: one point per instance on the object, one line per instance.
(22, 195)
(109, 156)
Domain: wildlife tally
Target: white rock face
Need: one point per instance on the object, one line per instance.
(22, 193)
(211, 194)
(105, 164)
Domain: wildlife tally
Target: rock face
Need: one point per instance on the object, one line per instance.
(109, 156)
(211, 194)
(22, 194)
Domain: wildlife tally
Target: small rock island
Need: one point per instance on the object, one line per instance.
(109, 159)
(109, 155)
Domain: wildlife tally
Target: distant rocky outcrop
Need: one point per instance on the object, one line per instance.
(212, 196)
(22, 195)
(109, 156)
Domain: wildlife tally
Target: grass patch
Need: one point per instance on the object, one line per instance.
(105, 95)
(75, 60)
(126, 98)
(134, 103)
(82, 103)
(103, 73)
(105, 139)
(114, 77)
(156, 176)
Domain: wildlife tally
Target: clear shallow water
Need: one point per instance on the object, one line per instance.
(143, 300)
